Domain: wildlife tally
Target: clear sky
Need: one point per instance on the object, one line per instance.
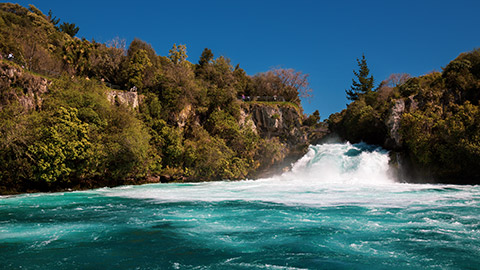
(321, 38)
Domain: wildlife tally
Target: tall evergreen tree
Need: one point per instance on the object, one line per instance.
(69, 28)
(53, 19)
(364, 85)
(206, 57)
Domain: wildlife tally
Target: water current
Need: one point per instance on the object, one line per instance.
(338, 208)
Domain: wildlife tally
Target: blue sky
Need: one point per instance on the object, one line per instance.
(321, 38)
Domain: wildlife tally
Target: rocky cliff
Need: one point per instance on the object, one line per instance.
(276, 120)
(281, 122)
(16, 84)
(394, 140)
(128, 98)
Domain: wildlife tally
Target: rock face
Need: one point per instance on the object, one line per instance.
(128, 98)
(183, 116)
(394, 141)
(394, 119)
(282, 121)
(16, 84)
(279, 123)
(246, 121)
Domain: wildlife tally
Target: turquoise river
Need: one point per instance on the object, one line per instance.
(338, 208)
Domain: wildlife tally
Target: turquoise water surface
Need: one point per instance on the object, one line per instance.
(337, 209)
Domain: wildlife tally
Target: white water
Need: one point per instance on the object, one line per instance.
(328, 175)
(346, 164)
(338, 208)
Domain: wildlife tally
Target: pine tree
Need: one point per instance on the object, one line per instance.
(69, 28)
(364, 84)
(53, 19)
(206, 57)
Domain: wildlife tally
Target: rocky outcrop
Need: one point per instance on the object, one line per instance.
(247, 121)
(17, 84)
(279, 123)
(394, 140)
(394, 119)
(274, 120)
(128, 98)
(183, 116)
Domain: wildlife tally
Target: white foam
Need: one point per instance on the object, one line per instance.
(329, 174)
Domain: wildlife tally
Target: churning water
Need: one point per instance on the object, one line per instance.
(337, 209)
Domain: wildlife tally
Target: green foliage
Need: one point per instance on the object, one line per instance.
(76, 54)
(31, 38)
(206, 57)
(77, 139)
(135, 70)
(313, 119)
(176, 87)
(462, 77)
(448, 146)
(178, 54)
(223, 124)
(270, 152)
(172, 147)
(439, 128)
(187, 125)
(105, 62)
(17, 130)
(69, 29)
(64, 150)
(126, 145)
(361, 122)
(148, 62)
(289, 84)
(364, 85)
(53, 19)
(208, 157)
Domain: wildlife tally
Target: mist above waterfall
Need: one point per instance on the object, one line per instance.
(343, 164)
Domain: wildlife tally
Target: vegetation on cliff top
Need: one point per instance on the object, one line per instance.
(438, 130)
(189, 125)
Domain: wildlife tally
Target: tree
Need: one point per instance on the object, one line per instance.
(69, 28)
(138, 44)
(135, 71)
(64, 151)
(296, 84)
(76, 54)
(206, 57)
(313, 119)
(178, 54)
(105, 61)
(287, 83)
(396, 79)
(364, 84)
(386, 87)
(53, 19)
(35, 10)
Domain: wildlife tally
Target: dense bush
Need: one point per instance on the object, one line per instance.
(440, 127)
(187, 126)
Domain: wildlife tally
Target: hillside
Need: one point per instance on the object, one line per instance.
(431, 123)
(80, 114)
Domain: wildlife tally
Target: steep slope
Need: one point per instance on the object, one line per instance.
(79, 114)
